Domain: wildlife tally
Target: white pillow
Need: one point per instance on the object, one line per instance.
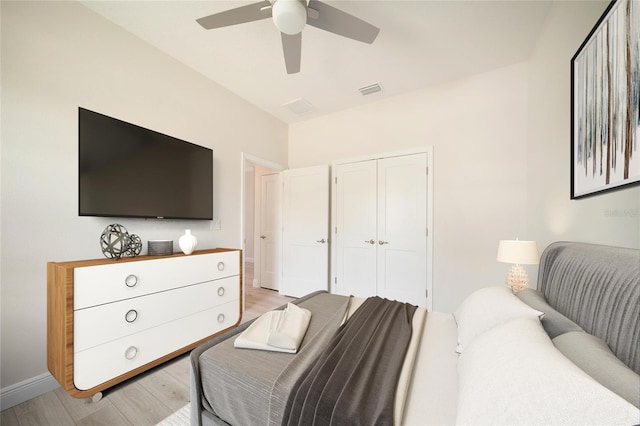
(484, 309)
(513, 375)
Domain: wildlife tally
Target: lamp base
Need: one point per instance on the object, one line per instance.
(517, 278)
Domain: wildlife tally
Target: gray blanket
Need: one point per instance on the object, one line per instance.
(354, 380)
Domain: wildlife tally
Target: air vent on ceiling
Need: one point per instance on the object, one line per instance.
(372, 88)
(299, 106)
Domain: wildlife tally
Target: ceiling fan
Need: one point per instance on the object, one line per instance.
(290, 17)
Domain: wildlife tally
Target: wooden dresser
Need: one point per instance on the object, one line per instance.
(109, 320)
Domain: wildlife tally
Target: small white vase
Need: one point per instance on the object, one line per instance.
(187, 242)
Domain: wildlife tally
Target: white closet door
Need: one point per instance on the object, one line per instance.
(305, 231)
(402, 228)
(270, 229)
(356, 211)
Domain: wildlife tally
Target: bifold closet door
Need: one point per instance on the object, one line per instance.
(402, 229)
(381, 228)
(356, 209)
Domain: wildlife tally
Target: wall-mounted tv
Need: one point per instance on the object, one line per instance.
(129, 171)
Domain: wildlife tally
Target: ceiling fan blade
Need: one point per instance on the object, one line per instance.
(239, 15)
(341, 23)
(292, 48)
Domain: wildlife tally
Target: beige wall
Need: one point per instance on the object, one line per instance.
(478, 131)
(611, 218)
(57, 56)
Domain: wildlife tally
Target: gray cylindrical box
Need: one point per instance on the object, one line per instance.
(160, 247)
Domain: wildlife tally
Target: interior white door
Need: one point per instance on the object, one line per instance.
(402, 228)
(305, 245)
(355, 187)
(270, 227)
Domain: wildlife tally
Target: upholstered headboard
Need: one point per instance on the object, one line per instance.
(598, 287)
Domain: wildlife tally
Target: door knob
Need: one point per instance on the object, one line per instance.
(383, 242)
(371, 241)
(263, 236)
(321, 241)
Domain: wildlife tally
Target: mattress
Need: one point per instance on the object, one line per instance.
(432, 398)
(256, 383)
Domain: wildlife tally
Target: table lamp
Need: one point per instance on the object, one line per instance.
(517, 253)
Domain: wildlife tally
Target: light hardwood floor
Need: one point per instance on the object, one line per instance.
(144, 400)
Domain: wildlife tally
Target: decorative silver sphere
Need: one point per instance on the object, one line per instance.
(135, 245)
(114, 241)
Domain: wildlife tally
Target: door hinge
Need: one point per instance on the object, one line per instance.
(335, 280)
(335, 230)
(427, 169)
(336, 180)
(426, 293)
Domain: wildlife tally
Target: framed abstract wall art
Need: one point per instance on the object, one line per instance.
(605, 103)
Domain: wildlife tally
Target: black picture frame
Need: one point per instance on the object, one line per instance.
(605, 104)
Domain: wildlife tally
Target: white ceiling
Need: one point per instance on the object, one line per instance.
(421, 43)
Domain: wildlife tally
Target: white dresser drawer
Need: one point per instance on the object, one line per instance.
(100, 364)
(96, 285)
(104, 323)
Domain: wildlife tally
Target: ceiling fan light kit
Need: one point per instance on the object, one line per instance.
(290, 17)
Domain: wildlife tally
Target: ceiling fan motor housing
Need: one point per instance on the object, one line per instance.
(290, 16)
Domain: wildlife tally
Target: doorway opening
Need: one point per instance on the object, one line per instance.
(257, 297)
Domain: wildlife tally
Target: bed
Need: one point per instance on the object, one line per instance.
(566, 353)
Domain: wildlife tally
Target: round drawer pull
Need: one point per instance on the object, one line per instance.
(220, 266)
(220, 291)
(131, 352)
(131, 280)
(220, 318)
(131, 316)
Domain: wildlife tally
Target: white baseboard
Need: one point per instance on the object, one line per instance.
(26, 390)
(256, 283)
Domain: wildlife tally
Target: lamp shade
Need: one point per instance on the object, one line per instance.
(518, 252)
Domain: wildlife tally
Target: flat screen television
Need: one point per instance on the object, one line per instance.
(129, 171)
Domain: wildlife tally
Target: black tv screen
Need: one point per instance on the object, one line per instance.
(129, 171)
